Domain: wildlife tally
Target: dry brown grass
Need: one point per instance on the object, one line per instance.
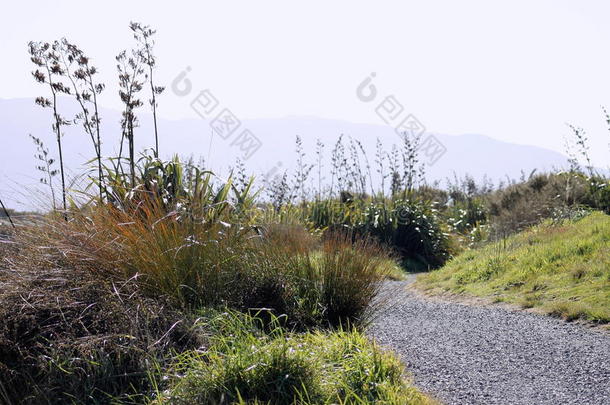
(294, 238)
(198, 263)
(74, 327)
(66, 334)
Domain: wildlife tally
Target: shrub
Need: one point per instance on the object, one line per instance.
(411, 228)
(525, 204)
(464, 216)
(598, 194)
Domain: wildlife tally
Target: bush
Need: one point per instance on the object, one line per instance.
(598, 194)
(411, 228)
(525, 204)
(464, 216)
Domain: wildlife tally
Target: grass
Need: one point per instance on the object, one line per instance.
(218, 264)
(296, 295)
(563, 269)
(245, 364)
(96, 301)
(392, 269)
(69, 337)
(96, 339)
(99, 302)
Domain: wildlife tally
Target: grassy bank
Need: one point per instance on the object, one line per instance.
(563, 269)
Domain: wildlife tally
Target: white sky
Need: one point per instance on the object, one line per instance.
(512, 70)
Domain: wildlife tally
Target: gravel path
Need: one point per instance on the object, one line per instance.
(463, 354)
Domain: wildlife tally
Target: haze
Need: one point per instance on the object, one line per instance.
(515, 71)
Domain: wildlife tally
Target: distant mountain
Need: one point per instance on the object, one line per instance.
(476, 155)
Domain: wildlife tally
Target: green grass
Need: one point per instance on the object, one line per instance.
(244, 364)
(392, 269)
(563, 269)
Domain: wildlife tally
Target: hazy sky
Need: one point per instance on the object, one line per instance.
(513, 70)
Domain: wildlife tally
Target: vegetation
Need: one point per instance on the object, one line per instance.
(169, 284)
(411, 226)
(245, 364)
(558, 262)
(111, 296)
(120, 296)
(48, 71)
(217, 263)
(68, 336)
(562, 267)
(6, 213)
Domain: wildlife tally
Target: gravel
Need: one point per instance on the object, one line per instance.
(465, 354)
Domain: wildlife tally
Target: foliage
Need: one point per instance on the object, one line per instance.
(178, 187)
(597, 195)
(411, 227)
(528, 203)
(98, 299)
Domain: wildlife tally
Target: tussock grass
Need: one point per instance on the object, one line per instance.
(94, 337)
(243, 365)
(69, 337)
(98, 299)
(211, 263)
(562, 268)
